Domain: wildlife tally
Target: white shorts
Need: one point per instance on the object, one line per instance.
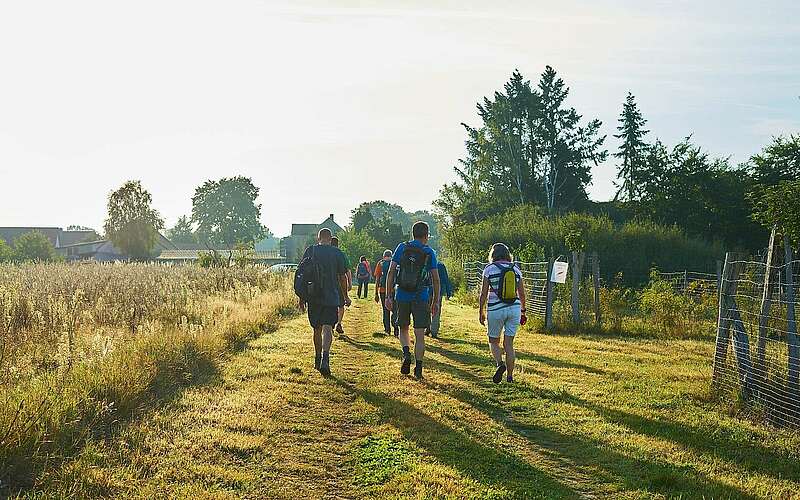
(504, 320)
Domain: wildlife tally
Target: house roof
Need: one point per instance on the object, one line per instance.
(71, 237)
(9, 234)
(311, 229)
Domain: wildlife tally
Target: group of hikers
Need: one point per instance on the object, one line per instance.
(410, 284)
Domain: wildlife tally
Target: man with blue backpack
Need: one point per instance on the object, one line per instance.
(418, 273)
(446, 291)
(381, 274)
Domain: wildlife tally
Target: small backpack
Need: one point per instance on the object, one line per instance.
(308, 278)
(384, 272)
(507, 285)
(363, 270)
(413, 269)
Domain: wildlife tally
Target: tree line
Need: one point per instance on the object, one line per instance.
(531, 148)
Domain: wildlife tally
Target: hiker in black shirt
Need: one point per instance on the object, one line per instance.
(323, 312)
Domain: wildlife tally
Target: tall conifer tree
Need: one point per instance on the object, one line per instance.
(632, 151)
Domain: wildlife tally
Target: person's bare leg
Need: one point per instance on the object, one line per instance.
(405, 343)
(419, 350)
(511, 356)
(327, 340)
(340, 313)
(497, 354)
(317, 346)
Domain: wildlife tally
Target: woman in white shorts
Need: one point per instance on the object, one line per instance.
(503, 316)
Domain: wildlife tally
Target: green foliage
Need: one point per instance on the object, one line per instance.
(355, 244)
(632, 151)
(632, 248)
(226, 213)
(704, 196)
(674, 314)
(529, 149)
(132, 224)
(211, 259)
(377, 458)
(779, 161)
(779, 206)
(6, 252)
(182, 231)
(33, 247)
(390, 224)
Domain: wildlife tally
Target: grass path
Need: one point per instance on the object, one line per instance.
(589, 417)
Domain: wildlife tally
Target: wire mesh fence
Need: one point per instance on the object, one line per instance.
(757, 355)
(692, 283)
(534, 275)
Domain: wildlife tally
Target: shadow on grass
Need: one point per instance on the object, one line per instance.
(634, 472)
(488, 466)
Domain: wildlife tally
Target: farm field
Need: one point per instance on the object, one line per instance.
(589, 416)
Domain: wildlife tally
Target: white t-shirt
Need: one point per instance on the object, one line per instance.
(493, 272)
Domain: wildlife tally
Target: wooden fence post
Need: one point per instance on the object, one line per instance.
(723, 322)
(763, 318)
(548, 308)
(791, 325)
(577, 264)
(596, 282)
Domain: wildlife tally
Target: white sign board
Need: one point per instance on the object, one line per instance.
(559, 274)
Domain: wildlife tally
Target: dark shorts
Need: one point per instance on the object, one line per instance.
(420, 311)
(319, 315)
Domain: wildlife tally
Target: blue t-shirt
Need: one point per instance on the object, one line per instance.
(422, 295)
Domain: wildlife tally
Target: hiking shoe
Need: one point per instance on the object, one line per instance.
(427, 331)
(418, 372)
(434, 335)
(397, 331)
(387, 332)
(498, 374)
(325, 367)
(339, 328)
(405, 368)
(510, 379)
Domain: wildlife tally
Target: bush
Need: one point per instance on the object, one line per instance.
(631, 249)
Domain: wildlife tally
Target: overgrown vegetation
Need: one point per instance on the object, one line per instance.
(86, 347)
(629, 250)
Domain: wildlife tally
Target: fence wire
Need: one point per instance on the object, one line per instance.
(534, 275)
(757, 356)
(692, 283)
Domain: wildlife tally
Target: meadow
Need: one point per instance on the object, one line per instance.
(87, 347)
(211, 393)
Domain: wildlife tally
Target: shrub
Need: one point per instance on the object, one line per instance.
(631, 249)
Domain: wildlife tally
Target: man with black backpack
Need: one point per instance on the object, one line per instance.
(418, 271)
(381, 274)
(321, 283)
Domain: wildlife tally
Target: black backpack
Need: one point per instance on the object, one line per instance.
(308, 278)
(413, 269)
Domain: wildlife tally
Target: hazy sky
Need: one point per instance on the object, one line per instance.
(327, 104)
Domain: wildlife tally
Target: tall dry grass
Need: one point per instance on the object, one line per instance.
(83, 348)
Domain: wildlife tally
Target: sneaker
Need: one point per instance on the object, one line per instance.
(387, 332)
(325, 367)
(339, 328)
(418, 372)
(510, 379)
(405, 368)
(427, 331)
(434, 335)
(498, 374)
(317, 362)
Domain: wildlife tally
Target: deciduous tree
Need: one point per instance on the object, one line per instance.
(226, 212)
(132, 224)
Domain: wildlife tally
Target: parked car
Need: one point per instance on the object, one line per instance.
(282, 268)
